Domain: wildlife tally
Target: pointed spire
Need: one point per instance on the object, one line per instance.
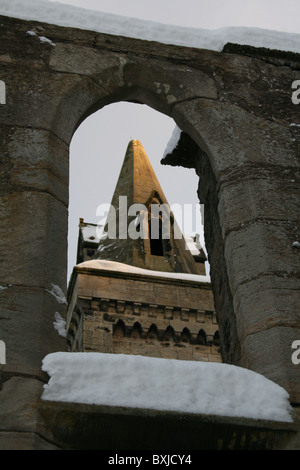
(145, 180)
(137, 179)
(138, 184)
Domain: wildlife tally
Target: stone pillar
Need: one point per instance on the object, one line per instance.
(41, 111)
(256, 170)
(33, 247)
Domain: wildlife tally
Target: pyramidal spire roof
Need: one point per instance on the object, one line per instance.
(138, 184)
(137, 179)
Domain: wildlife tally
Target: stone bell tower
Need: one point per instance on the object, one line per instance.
(161, 245)
(141, 295)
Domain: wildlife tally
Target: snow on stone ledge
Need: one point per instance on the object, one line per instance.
(173, 142)
(60, 324)
(57, 292)
(163, 384)
(126, 268)
(66, 15)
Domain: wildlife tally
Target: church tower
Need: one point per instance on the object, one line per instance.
(145, 230)
(139, 289)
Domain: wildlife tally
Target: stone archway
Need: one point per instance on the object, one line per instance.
(237, 109)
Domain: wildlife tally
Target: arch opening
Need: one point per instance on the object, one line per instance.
(119, 329)
(110, 156)
(96, 153)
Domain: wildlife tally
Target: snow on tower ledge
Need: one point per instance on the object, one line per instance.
(125, 268)
(66, 15)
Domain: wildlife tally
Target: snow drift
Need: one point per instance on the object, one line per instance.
(163, 384)
(126, 268)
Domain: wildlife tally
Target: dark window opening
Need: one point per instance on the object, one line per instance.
(201, 338)
(156, 240)
(169, 334)
(119, 330)
(152, 332)
(185, 336)
(136, 331)
(216, 339)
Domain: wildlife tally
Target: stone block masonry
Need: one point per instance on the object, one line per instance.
(237, 108)
(182, 326)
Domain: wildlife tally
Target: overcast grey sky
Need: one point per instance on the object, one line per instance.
(99, 145)
(282, 15)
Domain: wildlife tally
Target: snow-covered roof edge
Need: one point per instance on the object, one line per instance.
(76, 17)
(125, 268)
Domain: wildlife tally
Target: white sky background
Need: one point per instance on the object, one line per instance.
(98, 146)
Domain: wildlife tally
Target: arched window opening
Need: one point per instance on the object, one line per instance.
(119, 329)
(201, 338)
(216, 339)
(136, 331)
(95, 153)
(185, 336)
(153, 332)
(161, 223)
(156, 242)
(105, 157)
(169, 334)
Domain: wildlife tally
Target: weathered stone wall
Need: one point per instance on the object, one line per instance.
(122, 428)
(230, 343)
(236, 107)
(132, 314)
